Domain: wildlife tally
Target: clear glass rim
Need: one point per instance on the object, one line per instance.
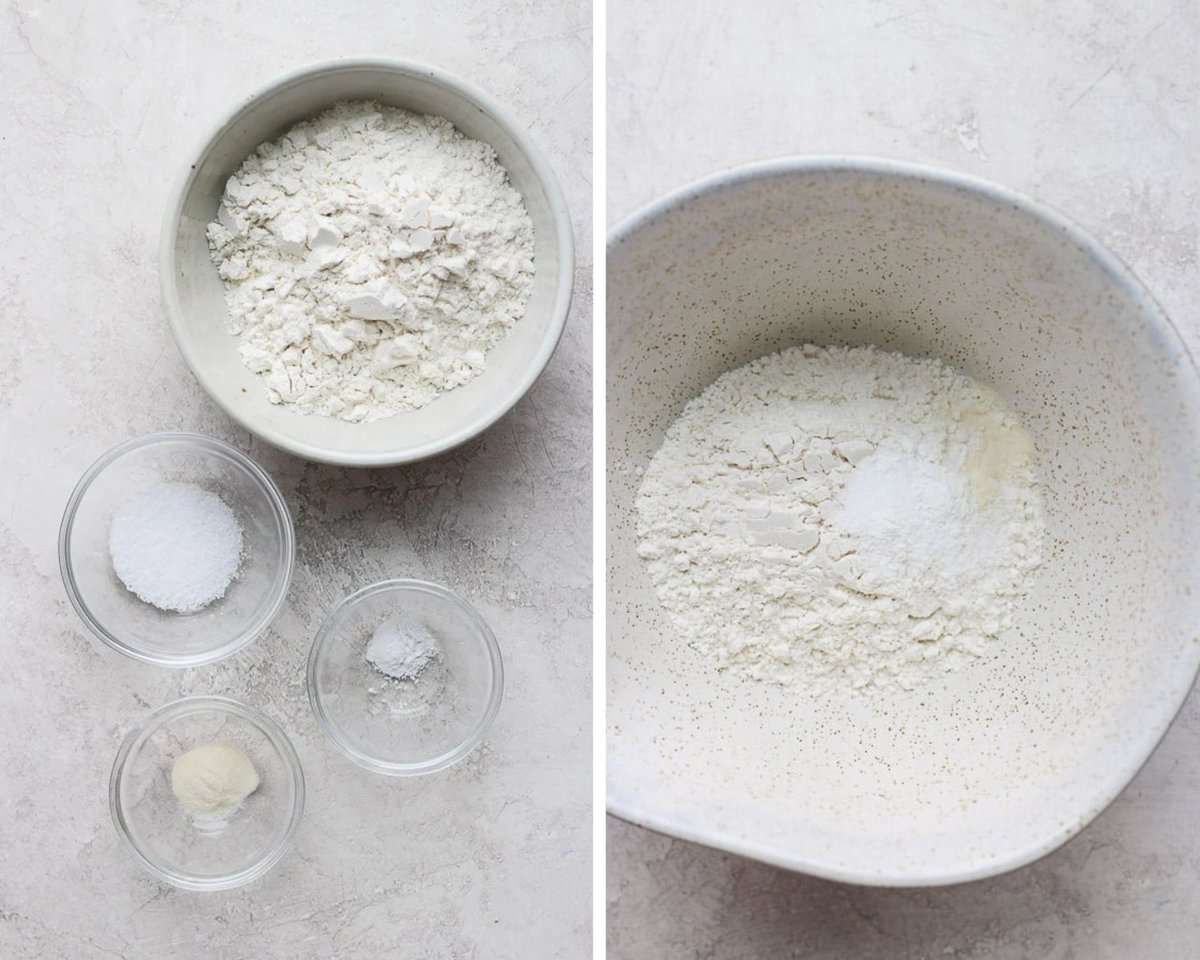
(465, 746)
(283, 520)
(181, 708)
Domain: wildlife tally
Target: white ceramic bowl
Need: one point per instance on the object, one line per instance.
(194, 299)
(1007, 759)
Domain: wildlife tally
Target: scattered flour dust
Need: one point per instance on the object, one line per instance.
(830, 517)
(371, 258)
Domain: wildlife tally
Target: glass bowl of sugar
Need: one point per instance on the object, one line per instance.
(176, 549)
(405, 677)
(203, 840)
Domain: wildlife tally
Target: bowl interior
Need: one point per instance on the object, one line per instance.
(137, 627)
(406, 726)
(1000, 762)
(191, 278)
(201, 852)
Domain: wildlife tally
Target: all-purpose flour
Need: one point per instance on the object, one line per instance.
(371, 258)
(842, 516)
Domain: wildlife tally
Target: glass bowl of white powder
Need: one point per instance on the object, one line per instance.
(176, 549)
(405, 677)
(207, 850)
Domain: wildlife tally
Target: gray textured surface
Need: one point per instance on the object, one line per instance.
(1087, 105)
(100, 104)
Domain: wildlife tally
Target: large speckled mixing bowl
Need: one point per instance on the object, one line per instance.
(1003, 761)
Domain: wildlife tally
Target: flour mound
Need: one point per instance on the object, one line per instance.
(842, 517)
(371, 258)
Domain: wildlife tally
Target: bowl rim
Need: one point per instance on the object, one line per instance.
(564, 241)
(635, 811)
(193, 440)
(465, 746)
(181, 708)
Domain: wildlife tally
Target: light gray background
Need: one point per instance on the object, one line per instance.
(1090, 106)
(100, 105)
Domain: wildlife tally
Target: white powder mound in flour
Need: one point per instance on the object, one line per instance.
(371, 258)
(835, 516)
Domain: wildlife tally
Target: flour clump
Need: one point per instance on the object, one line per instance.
(837, 516)
(371, 258)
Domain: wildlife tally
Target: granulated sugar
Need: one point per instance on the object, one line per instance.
(176, 546)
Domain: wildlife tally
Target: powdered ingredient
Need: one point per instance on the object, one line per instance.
(371, 258)
(176, 546)
(213, 779)
(842, 517)
(402, 648)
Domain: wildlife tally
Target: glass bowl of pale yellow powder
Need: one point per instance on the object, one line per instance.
(207, 793)
(405, 677)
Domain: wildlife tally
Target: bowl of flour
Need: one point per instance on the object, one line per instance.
(367, 263)
(901, 507)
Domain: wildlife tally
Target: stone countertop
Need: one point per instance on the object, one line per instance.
(1090, 106)
(100, 105)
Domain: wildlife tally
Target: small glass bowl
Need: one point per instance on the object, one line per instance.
(138, 629)
(199, 853)
(415, 726)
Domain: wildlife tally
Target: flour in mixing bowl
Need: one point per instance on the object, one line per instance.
(371, 258)
(835, 516)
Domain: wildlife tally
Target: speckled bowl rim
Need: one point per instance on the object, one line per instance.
(474, 737)
(287, 547)
(182, 708)
(1122, 277)
(535, 363)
